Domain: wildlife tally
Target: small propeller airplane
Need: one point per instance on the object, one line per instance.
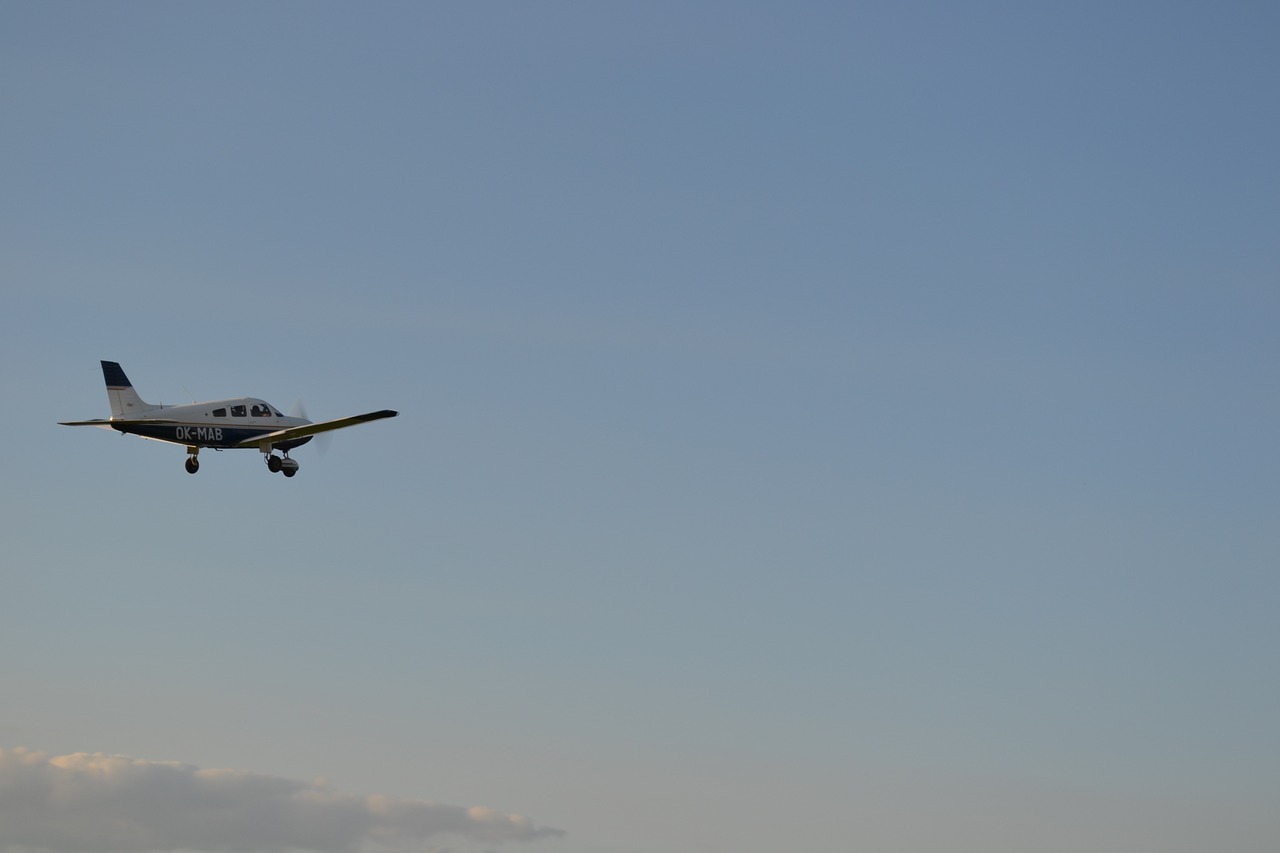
(243, 422)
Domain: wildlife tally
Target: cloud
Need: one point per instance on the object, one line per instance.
(96, 803)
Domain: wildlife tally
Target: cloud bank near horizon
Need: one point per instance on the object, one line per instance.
(98, 803)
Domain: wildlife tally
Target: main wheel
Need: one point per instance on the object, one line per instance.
(289, 472)
(273, 463)
(193, 464)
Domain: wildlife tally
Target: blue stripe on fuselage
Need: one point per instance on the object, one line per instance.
(206, 435)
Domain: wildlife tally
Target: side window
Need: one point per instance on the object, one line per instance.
(219, 413)
(237, 411)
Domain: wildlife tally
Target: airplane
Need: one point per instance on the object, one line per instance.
(243, 422)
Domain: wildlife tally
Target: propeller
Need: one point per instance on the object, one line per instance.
(321, 440)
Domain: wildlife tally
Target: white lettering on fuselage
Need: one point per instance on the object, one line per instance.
(186, 433)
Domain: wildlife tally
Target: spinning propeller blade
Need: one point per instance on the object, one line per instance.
(322, 441)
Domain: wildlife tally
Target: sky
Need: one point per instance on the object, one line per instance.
(823, 426)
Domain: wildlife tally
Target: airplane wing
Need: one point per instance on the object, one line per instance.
(291, 433)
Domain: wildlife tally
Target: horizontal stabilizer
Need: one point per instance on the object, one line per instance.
(115, 422)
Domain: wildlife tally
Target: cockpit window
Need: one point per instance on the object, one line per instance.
(237, 411)
(277, 414)
(219, 413)
(258, 411)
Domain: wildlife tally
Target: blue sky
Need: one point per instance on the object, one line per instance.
(823, 426)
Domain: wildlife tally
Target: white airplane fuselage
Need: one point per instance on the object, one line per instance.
(217, 423)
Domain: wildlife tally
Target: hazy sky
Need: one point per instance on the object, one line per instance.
(832, 427)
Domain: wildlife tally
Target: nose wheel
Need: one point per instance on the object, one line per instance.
(282, 465)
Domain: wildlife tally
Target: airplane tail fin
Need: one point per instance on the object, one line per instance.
(125, 402)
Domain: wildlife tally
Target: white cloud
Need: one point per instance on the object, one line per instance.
(96, 803)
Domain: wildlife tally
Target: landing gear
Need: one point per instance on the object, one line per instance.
(193, 464)
(282, 465)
